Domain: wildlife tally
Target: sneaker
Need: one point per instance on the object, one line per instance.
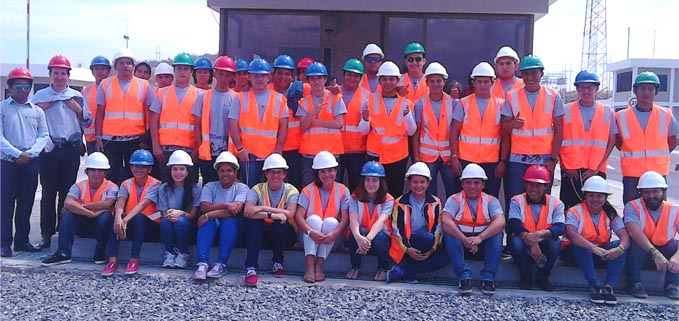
(545, 285)
(132, 267)
(201, 271)
(637, 290)
(251, 278)
(410, 279)
(169, 260)
(672, 292)
(394, 274)
(278, 270)
(596, 295)
(609, 297)
(99, 259)
(55, 259)
(488, 287)
(181, 261)
(465, 287)
(110, 268)
(217, 271)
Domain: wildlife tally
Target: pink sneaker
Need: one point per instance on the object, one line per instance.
(110, 268)
(278, 270)
(251, 278)
(132, 267)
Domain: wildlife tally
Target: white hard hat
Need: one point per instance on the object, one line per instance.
(97, 160)
(420, 169)
(483, 69)
(275, 160)
(123, 53)
(371, 49)
(651, 179)
(180, 157)
(388, 68)
(506, 51)
(323, 160)
(596, 184)
(473, 171)
(163, 68)
(436, 68)
(226, 157)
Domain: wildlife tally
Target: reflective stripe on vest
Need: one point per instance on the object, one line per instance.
(535, 138)
(434, 141)
(85, 192)
(263, 199)
(479, 139)
(368, 218)
(644, 150)
(90, 96)
(415, 94)
(498, 91)
(124, 113)
(150, 210)
(600, 235)
(388, 132)
(316, 203)
(665, 231)
(585, 149)
(259, 138)
(545, 219)
(176, 120)
(464, 219)
(315, 138)
(354, 141)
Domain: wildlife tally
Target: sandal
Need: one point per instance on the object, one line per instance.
(381, 275)
(352, 274)
(309, 277)
(320, 277)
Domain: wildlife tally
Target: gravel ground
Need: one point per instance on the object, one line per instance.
(58, 295)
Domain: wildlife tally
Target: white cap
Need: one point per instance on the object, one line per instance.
(97, 160)
(123, 53)
(506, 51)
(163, 68)
(436, 68)
(226, 157)
(420, 169)
(596, 184)
(324, 160)
(388, 68)
(371, 49)
(473, 171)
(651, 179)
(275, 160)
(483, 69)
(180, 157)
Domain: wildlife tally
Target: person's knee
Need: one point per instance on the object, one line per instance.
(329, 224)
(314, 221)
(516, 243)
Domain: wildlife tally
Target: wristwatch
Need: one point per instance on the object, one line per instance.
(308, 232)
(268, 214)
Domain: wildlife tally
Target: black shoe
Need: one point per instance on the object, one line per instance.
(27, 247)
(465, 287)
(545, 285)
(45, 243)
(672, 292)
(637, 290)
(596, 295)
(99, 259)
(609, 297)
(506, 252)
(5, 251)
(525, 284)
(55, 259)
(488, 287)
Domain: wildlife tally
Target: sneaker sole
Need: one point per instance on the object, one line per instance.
(611, 302)
(101, 262)
(488, 292)
(130, 272)
(216, 276)
(465, 293)
(597, 301)
(106, 274)
(278, 275)
(254, 285)
(199, 278)
(56, 263)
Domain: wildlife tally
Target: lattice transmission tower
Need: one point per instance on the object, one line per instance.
(594, 44)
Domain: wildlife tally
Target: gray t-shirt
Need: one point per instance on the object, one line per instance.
(631, 215)
(219, 112)
(389, 104)
(643, 116)
(458, 110)
(215, 193)
(452, 206)
(151, 194)
(587, 114)
(419, 106)
(172, 198)
(156, 106)
(418, 224)
(557, 214)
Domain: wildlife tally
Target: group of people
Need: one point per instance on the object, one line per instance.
(273, 151)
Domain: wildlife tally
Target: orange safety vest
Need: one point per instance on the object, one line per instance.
(365, 84)
(354, 141)
(368, 218)
(601, 235)
(498, 91)
(124, 114)
(479, 140)
(401, 229)
(545, 219)
(85, 192)
(464, 219)
(259, 138)
(585, 149)
(150, 210)
(294, 131)
(333, 207)
(665, 231)
(422, 88)
(204, 151)
(644, 150)
(387, 137)
(90, 95)
(176, 120)
(434, 141)
(315, 138)
(535, 138)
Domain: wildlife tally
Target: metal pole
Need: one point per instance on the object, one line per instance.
(28, 33)
(654, 44)
(628, 36)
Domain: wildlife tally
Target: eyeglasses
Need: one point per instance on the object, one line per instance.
(22, 87)
(418, 59)
(276, 172)
(372, 59)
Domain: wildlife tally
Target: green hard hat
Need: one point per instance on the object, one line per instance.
(353, 65)
(530, 62)
(647, 77)
(183, 59)
(414, 47)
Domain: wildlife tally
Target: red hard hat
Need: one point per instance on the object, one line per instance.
(59, 61)
(19, 73)
(225, 63)
(305, 62)
(537, 174)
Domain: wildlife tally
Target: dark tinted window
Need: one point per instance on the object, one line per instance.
(623, 81)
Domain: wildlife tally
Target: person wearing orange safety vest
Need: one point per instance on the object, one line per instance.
(506, 64)
(258, 123)
(412, 84)
(653, 225)
(372, 60)
(536, 221)
(211, 112)
(101, 69)
(434, 115)
(135, 207)
(647, 135)
(321, 120)
(589, 131)
(388, 122)
(172, 122)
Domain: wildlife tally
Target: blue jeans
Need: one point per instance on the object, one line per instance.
(97, 228)
(490, 249)
(380, 248)
(250, 173)
(352, 163)
(282, 237)
(586, 262)
(423, 242)
(17, 185)
(294, 176)
(176, 235)
(251, 232)
(521, 253)
(514, 183)
(446, 176)
(139, 228)
(90, 147)
(207, 171)
(639, 259)
(492, 184)
(118, 153)
(228, 234)
(58, 171)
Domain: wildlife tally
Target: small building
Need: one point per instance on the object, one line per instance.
(80, 77)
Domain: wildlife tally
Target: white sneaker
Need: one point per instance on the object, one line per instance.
(201, 271)
(182, 261)
(169, 260)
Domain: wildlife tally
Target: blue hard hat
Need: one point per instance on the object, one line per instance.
(259, 66)
(316, 69)
(100, 61)
(586, 77)
(141, 157)
(202, 63)
(374, 169)
(242, 64)
(284, 62)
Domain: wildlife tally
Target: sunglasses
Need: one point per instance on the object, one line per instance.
(372, 59)
(418, 59)
(24, 87)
